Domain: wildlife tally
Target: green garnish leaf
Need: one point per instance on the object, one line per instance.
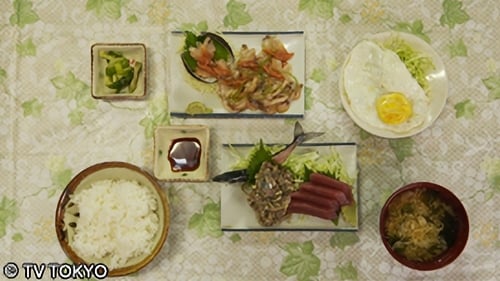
(191, 40)
(258, 157)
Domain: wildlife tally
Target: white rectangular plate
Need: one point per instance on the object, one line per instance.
(236, 214)
(185, 89)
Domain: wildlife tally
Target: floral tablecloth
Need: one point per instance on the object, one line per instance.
(51, 128)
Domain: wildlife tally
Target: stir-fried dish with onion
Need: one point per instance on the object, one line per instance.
(255, 80)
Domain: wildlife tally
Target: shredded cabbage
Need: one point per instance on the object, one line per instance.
(330, 164)
(301, 164)
(417, 63)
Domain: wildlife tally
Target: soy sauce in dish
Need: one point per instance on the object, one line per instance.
(184, 154)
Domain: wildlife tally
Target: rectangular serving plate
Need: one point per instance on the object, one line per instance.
(185, 89)
(237, 215)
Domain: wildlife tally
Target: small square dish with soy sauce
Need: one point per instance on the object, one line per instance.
(181, 153)
(118, 71)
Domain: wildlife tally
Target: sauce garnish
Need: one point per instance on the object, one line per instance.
(184, 154)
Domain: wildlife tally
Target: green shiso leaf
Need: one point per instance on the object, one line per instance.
(256, 158)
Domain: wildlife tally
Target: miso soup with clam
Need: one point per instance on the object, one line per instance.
(420, 225)
(424, 226)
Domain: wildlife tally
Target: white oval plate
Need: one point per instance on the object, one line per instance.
(438, 86)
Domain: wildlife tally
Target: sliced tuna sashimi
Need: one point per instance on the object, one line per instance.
(301, 207)
(328, 181)
(325, 191)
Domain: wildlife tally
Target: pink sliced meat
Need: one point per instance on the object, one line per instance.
(331, 182)
(326, 192)
(302, 207)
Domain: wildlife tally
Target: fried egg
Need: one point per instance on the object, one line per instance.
(381, 91)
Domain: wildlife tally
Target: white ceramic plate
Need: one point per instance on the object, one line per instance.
(185, 89)
(438, 86)
(236, 214)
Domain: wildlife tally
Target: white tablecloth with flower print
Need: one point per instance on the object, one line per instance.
(51, 128)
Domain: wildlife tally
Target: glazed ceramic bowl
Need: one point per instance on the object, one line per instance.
(67, 213)
(455, 229)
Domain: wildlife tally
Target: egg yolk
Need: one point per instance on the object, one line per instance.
(393, 108)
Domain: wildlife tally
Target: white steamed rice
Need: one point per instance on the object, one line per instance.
(118, 220)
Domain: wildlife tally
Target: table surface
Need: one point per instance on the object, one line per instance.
(51, 128)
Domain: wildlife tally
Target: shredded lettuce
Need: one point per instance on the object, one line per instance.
(330, 164)
(417, 63)
(301, 164)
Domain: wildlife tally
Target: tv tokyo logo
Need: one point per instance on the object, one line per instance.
(56, 270)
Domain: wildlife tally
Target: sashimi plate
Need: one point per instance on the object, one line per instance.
(237, 215)
(187, 92)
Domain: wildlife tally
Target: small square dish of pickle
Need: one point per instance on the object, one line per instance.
(118, 70)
